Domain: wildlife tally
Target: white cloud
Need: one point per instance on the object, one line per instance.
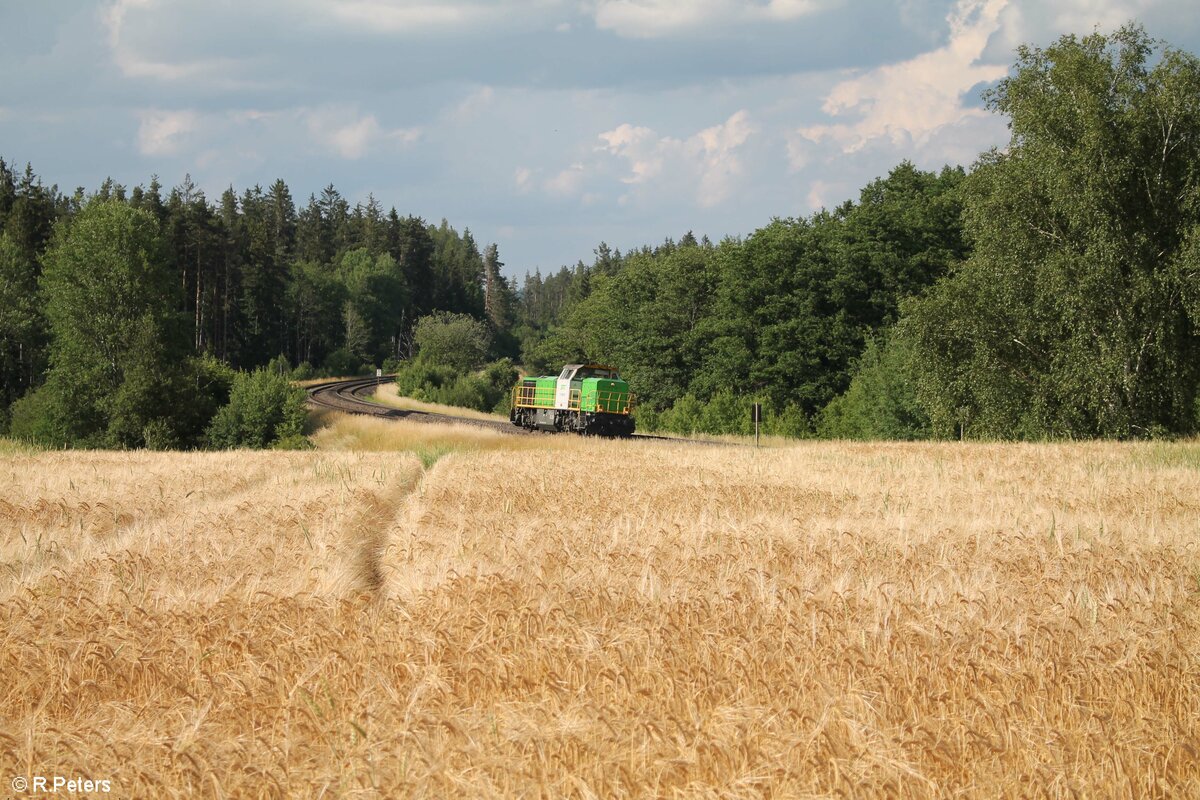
(417, 16)
(133, 65)
(653, 18)
(351, 136)
(523, 179)
(716, 150)
(340, 130)
(164, 133)
(644, 151)
(1037, 23)
(385, 16)
(909, 102)
(708, 163)
(566, 182)
(474, 103)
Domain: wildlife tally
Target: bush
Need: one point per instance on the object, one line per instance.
(684, 416)
(486, 390)
(458, 341)
(791, 422)
(726, 414)
(646, 419)
(208, 381)
(40, 418)
(340, 363)
(881, 402)
(159, 434)
(264, 409)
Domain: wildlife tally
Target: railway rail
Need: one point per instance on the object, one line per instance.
(347, 396)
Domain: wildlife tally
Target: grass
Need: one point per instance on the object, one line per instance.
(565, 617)
(1176, 454)
(388, 396)
(12, 446)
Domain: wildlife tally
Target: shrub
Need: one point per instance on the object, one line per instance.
(340, 362)
(684, 416)
(791, 422)
(881, 402)
(725, 413)
(40, 418)
(454, 340)
(264, 409)
(646, 419)
(486, 390)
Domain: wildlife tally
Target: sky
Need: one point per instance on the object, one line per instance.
(544, 126)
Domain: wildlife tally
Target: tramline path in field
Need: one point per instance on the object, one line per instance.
(348, 396)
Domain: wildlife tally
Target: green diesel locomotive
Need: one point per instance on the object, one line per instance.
(585, 398)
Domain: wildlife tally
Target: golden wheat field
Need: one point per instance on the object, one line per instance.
(425, 611)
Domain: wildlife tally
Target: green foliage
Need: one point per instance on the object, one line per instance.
(340, 363)
(881, 402)
(487, 389)
(206, 384)
(118, 368)
(22, 327)
(264, 410)
(783, 314)
(376, 299)
(646, 419)
(279, 365)
(725, 413)
(683, 417)
(1072, 317)
(41, 418)
(790, 421)
(1053, 292)
(458, 341)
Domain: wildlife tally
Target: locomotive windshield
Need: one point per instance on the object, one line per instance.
(595, 372)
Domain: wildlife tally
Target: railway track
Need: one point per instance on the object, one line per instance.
(347, 396)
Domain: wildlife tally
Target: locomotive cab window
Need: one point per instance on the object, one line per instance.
(594, 372)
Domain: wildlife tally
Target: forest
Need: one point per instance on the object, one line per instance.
(1050, 291)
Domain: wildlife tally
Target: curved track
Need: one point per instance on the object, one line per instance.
(347, 396)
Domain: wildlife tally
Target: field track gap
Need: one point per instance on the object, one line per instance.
(368, 532)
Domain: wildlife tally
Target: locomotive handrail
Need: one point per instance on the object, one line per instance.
(606, 400)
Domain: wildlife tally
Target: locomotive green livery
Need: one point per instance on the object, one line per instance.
(584, 398)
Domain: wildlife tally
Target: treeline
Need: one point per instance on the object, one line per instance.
(1053, 291)
(122, 311)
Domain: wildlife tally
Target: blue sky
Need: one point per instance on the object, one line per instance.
(545, 126)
